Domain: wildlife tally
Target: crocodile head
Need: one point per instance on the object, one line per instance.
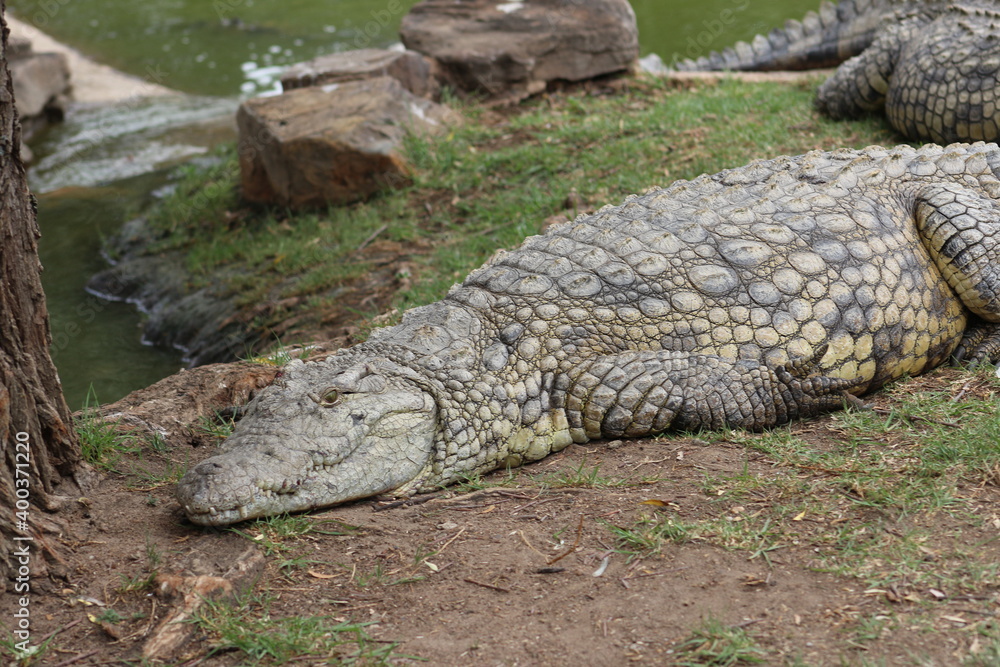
(324, 433)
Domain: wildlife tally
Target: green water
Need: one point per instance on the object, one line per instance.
(95, 343)
(217, 47)
(96, 169)
(228, 47)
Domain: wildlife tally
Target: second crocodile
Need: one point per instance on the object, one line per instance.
(747, 298)
(933, 66)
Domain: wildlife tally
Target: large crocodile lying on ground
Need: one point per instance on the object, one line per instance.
(933, 66)
(747, 298)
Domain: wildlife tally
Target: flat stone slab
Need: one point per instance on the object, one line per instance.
(408, 67)
(331, 144)
(513, 49)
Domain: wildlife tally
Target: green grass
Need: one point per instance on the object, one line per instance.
(589, 477)
(218, 427)
(34, 654)
(146, 581)
(146, 477)
(280, 537)
(101, 442)
(715, 643)
(245, 627)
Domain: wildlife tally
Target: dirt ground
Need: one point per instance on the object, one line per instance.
(521, 571)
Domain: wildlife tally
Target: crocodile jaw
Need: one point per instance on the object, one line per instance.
(234, 486)
(293, 455)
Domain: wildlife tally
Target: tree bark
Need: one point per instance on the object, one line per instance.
(38, 445)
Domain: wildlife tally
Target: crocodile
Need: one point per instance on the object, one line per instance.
(748, 298)
(934, 67)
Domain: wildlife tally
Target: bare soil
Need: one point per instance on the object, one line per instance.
(518, 572)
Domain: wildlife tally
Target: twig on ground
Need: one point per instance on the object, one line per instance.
(909, 417)
(485, 585)
(576, 542)
(371, 237)
(76, 658)
(528, 544)
(448, 543)
(406, 502)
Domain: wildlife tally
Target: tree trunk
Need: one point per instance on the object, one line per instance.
(38, 445)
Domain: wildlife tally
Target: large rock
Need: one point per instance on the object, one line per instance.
(330, 144)
(41, 88)
(408, 67)
(512, 50)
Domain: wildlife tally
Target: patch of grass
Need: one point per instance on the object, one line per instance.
(985, 651)
(939, 440)
(157, 443)
(586, 477)
(648, 535)
(218, 427)
(136, 584)
(478, 482)
(246, 628)
(715, 643)
(280, 354)
(379, 576)
(280, 537)
(21, 653)
(143, 582)
(147, 478)
(110, 616)
(101, 442)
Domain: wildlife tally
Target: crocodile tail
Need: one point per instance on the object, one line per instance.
(823, 38)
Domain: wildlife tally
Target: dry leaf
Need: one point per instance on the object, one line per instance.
(320, 575)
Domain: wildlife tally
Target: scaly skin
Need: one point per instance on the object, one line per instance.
(934, 67)
(747, 298)
(937, 80)
(821, 39)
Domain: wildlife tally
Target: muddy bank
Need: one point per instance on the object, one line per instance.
(203, 323)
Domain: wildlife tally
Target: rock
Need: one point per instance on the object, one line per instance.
(332, 144)
(177, 407)
(18, 47)
(41, 86)
(408, 67)
(512, 50)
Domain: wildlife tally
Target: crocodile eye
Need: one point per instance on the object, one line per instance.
(329, 397)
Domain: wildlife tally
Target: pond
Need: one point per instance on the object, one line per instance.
(219, 52)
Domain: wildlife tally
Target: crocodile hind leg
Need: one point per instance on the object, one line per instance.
(859, 85)
(634, 393)
(959, 228)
